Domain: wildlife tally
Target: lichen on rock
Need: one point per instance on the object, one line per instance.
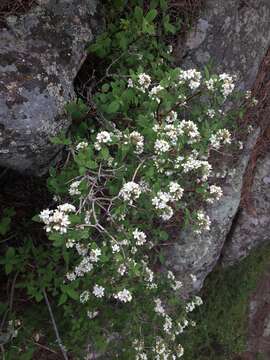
(41, 53)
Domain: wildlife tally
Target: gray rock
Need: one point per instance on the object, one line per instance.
(233, 35)
(40, 55)
(198, 254)
(251, 229)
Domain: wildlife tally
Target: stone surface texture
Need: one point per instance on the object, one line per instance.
(252, 227)
(40, 55)
(198, 254)
(234, 35)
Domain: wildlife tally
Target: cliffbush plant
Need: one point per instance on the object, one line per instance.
(138, 168)
(142, 165)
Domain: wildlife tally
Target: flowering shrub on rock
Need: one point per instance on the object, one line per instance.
(145, 164)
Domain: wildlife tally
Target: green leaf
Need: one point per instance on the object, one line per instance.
(138, 14)
(63, 299)
(113, 107)
(38, 296)
(105, 88)
(77, 109)
(73, 294)
(151, 15)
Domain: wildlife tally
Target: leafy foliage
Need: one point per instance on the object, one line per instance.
(136, 171)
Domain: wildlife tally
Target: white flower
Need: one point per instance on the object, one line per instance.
(82, 145)
(122, 269)
(222, 136)
(73, 189)
(45, 216)
(92, 314)
(123, 296)
(115, 248)
(144, 81)
(103, 137)
(175, 190)
(159, 309)
(161, 199)
(56, 219)
(190, 306)
(179, 351)
(167, 324)
(84, 267)
(198, 301)
(177, 285)
(192, 76)
(139, 236)
(215, 193)
(203, 222)
(167, 213)
(171, 117)
(130, 83)
(161, 146)
(190, 129)
(71, 276)
(98, 291)
(70, 243)
(227, 84)
(94, 255)
(154, 91)
(67, 208)
(210, 84)
(138, 141)
(211, 113)
(130, 192)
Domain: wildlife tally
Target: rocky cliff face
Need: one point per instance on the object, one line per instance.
(234, 36)
(40, 55)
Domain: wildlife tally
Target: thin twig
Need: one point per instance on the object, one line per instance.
(59, 341)
(11, 298)
(45, 347)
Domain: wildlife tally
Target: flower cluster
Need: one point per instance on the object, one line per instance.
(130, 191)
(153, 167)
(138, 140)
(103, 137)
(227, 84)
(192, 76)
(74, 188)
(58, 219)
(162, 199)
(222, 137)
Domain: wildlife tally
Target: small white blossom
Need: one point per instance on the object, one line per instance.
(73, 189)
(92, 314)
(123, 296)
(175, 190)
(171, 117)
(139, 236)
(94, 255)
(144, 81)
(82, 145)
(115, 248)
(159, 309)
(215, 193)
(130, 83)
(138, 140)
(122, 269)
(103, 137)
(98, 291)
(161, 146)
(130, 192)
